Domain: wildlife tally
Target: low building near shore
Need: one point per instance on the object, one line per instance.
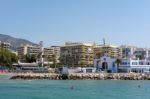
(127, 65)
(26, 67)
(89, 70)
(66, 70)
(135, 65)
(106, 64)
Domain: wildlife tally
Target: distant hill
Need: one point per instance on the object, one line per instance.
(15, 42)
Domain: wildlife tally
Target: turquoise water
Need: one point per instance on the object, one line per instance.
(51, 89)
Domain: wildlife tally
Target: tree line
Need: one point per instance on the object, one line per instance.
(7, 58)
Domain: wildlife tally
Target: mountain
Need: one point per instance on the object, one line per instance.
(15, 42)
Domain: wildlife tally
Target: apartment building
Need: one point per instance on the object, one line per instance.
(128, 51)
(28, 50)
(5, 45)
(51, 54)
(142, 53)
(135, 52)
(75, 54)
(107, 50)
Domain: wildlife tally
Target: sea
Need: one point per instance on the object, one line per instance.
(73, 89)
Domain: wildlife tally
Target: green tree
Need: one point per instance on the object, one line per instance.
(53, 59)
(7, 58)
(98, 55)
(48, 60)
(118, 62)
(14, 57)
(30, 58)
(83, 64)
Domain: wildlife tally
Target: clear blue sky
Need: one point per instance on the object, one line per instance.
(57, 21)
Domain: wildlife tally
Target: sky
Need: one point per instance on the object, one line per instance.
(120, 22)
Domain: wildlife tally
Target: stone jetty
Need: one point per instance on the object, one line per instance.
(29, 76)
(82, 76)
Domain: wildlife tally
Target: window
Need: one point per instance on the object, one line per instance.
(141, 63)
(124, 63)
(134, 63)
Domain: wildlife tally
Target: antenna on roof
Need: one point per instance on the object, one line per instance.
(104, 42)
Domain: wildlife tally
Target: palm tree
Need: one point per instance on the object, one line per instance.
(82, 64)
(54, 60)
(118, 62)
(30, 58)
(98, 55)
(48, 60)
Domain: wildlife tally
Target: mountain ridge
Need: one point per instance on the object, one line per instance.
(15, 42)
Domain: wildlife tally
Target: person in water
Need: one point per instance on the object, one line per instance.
(139, 86)
(72, 87)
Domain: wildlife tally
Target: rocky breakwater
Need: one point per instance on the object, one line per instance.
(82, 76)
(30, 76)
(109, 76)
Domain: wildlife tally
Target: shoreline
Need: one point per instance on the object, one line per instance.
(80, 76)
(7, 74)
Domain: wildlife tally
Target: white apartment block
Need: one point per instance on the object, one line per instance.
(127, 51)
(51, 54)
(28, 50)
(135, 52)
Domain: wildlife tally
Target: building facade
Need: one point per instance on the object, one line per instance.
(28, 50)
(128, 51)
(127, 65)
(135, 65)
(106, 64)
(5, 45)
(77, 54)
(142, 53)
(45, 55)
(135, 52)
(107, 50)
(51, 55)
